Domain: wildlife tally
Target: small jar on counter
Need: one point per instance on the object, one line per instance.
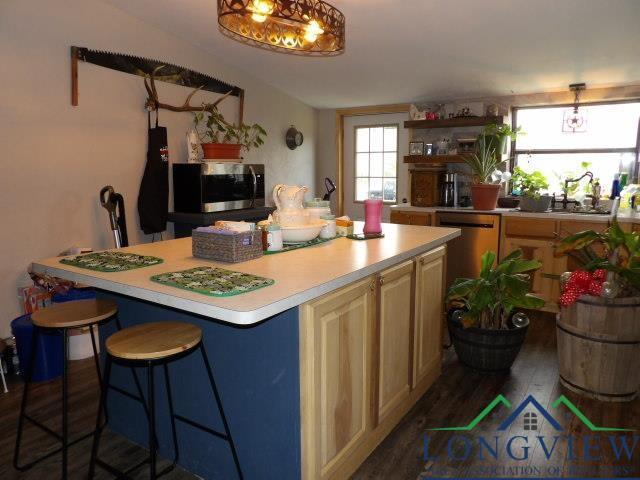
(273, 236)
(329, 230)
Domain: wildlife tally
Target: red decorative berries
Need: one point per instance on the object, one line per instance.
(581, 282)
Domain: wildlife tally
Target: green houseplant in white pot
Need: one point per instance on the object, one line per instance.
(530, 186)
(221, 140)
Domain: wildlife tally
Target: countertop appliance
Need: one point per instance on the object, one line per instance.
(216, 187)
(449, 190)
(480, 232)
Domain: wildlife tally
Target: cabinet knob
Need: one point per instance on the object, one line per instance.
(422, 261)
(381, 280)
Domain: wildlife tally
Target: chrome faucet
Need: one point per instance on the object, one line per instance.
(565, 190)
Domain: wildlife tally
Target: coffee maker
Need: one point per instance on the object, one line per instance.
(449, 190)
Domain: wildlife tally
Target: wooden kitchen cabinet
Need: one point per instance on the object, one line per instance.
(411, 218)
(393, 338)
(542, 250)
(336, 376)
(368, 352)
(428, 322)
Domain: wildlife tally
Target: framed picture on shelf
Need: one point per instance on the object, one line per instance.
(416, 148)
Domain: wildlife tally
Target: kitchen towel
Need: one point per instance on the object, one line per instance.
(111, 261)
(213, 281)
(153, 199)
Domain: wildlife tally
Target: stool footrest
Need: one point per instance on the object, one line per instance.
(42, 427)
(125, 393)
(22, 468)
(201, 427)
(125, 474)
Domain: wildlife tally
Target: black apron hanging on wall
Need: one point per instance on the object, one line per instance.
(153, 199)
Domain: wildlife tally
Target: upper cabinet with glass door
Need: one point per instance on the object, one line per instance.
(376, 162)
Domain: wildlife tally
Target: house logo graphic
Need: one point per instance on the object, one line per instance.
(531, 403)
(521, 433)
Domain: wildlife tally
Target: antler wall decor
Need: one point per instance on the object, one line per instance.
(153, 103)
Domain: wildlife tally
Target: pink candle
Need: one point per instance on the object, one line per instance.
(372, 216)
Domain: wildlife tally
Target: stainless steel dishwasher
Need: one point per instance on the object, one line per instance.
(480, 232)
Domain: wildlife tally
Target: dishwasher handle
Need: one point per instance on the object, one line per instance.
(464, 224)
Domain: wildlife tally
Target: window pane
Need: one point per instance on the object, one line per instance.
(362, 189)
(389, 190)
(376, 140)
(390, 139)
(390, 160)
(608, 126)
(362, 165)
(375, 164)
(362, 140)
(558, 167)
(375, 188)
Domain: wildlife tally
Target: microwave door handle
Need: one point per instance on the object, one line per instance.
(255, 186)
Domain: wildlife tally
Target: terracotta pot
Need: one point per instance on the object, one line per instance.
(484, 196)
(221, 151)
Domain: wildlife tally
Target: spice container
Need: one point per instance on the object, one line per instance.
(329, 230)
(274, 238)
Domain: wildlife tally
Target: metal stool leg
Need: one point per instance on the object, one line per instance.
(152, 421)
(102, 407)
(172, 414)
(4, 382)
(221, 410)
(23, 404)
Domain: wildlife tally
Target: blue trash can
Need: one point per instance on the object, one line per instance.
(74, 294)
(48, 359)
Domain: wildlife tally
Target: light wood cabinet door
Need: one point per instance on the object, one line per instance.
(411, 218)
(543, 251)
(393, 339)
(335, 364)
(429, 298)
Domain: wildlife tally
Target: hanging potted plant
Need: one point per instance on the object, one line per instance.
(222, 140)
(598, 327)
(486, 325)
(529, 186)
(484, 163)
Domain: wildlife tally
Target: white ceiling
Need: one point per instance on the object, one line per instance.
(410, 50)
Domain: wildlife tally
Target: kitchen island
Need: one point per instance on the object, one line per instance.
(314, 370)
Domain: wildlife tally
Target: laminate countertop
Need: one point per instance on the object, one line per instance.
(623, 216)
(300, 275)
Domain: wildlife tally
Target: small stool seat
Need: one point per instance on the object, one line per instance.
(79, 313)
(153, 341)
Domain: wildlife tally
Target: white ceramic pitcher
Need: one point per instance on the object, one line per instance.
(289, 201)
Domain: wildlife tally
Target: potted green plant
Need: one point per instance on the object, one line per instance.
(483, 163)
(529, 186)
(486, 325)
(598, 327)
(222, 140)
(499, 136)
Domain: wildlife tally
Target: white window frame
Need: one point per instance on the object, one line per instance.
(354, 157)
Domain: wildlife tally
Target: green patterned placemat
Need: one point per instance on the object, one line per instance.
(295, 246)
(111, 261)
(212, 281)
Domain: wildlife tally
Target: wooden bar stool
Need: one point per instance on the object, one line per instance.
(63, 317)
(151, 345)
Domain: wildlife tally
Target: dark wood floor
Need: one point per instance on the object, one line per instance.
(455, 399)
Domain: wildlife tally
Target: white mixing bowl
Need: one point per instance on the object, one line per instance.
(302, 233)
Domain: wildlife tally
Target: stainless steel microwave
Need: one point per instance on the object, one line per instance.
(215, 187)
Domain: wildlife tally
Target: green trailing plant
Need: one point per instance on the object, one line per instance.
(502, 131)
(489, 300)
(620, 254)
(483, 161)
(212, 127)
(529, 184)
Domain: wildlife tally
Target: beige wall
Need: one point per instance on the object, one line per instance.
(55, 157)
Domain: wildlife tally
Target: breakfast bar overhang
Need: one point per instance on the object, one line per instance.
(275, 348)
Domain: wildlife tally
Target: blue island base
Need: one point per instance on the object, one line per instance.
(257, 373)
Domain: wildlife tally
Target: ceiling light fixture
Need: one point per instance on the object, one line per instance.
(575, 121)
(300, 27)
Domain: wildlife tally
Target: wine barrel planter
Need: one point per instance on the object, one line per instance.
(486, 350)
(599, 347)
